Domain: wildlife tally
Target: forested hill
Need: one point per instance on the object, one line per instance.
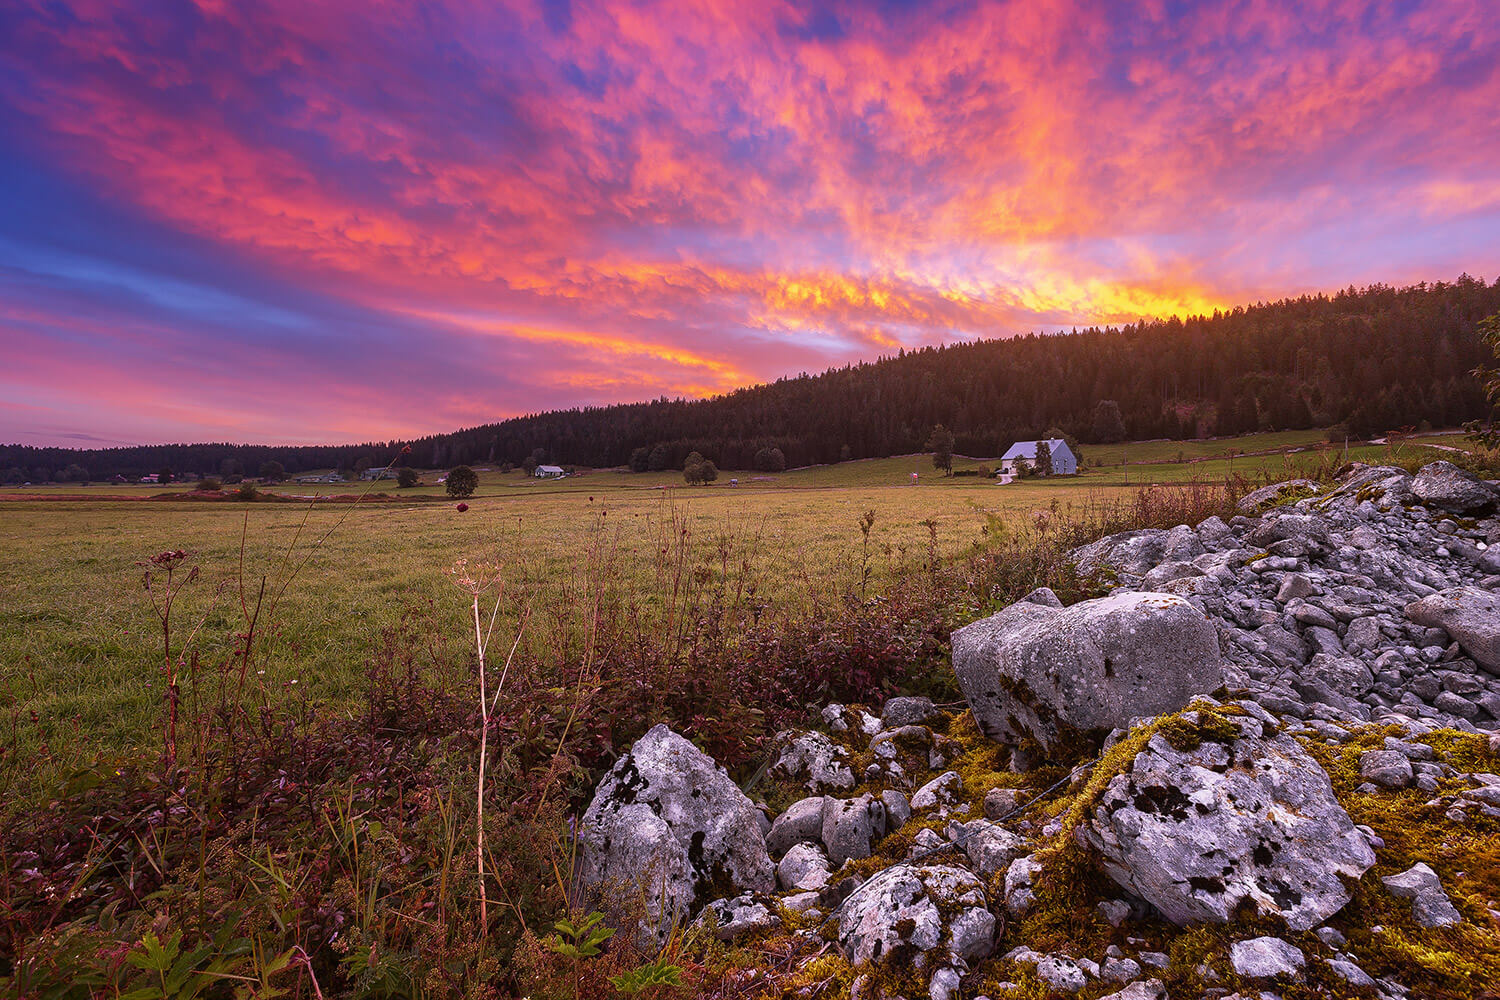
(1375, 358)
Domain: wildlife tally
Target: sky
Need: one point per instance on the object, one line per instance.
(320, 222)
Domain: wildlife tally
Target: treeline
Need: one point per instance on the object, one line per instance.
(1373, 359)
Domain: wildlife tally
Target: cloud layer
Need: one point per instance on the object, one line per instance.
(330, 221)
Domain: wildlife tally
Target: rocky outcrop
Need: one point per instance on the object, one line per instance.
(1445, 486)
(667, 831)
(1053, 674)
(917, 914)
(1197, 830)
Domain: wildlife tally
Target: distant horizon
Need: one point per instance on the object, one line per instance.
(292, 226)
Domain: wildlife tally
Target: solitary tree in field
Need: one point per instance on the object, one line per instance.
(407, 477)
(770, 460)
(164, 476)
(640, 459)
(941, 446)
(698, 470)
(272, 472)
(462, 482)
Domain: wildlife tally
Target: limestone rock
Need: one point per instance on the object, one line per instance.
(1447, 487)
(1197, 831)
(1468, 614)
(907, 712)
(1389, 768)
(803, 820)
(1255, 501)
(919, 914)
(824, 762)
(804, 868)
(665, 828)
(1053, 673)
(734, 918)
(1266, 958)
(989, 847)
(851, 826)
(1430, 905)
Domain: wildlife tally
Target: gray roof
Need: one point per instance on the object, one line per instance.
(1027, 449)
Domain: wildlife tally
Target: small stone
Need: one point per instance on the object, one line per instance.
(1266, 958)
(1350, 973)
(1000, 802)
(1116, 911)
(1061, 973)
(907, 712)
(1388, 768)
(1120, 970)
(1146, 989)
(939, 791)
(1430, 904)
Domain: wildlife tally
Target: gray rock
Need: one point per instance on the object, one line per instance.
(734, 918)
(1049, 674)
(917, 910)
(989, 847)
(1019, 879)
(1197, 832)
(1294, 587)
(1000, 802)
(1146, 989)
(1387, 768)
(824, 762)
(803, 820)
(1349, 972)
(907, 712)
(1265, 958)
(665, 826)
(851, 826)
(944, 984)
(1447, 487)
(897, 809)
(1430, 904)
(804, 868)
(1468, 614)
(1116, 911)
(1061, 973)
(1120, 970)
(939, 791)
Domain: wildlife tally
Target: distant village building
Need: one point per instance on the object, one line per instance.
(384, 472)
(1064, 462)
(323, 477)
(549, 472)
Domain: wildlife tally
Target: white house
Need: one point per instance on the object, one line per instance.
(384, 472)
(1064, 462)
(549, 472)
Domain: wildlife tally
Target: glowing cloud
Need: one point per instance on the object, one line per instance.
(249, 220)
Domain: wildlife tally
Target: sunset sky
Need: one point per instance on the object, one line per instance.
(321, 222)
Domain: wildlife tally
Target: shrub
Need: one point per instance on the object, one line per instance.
(462, 482)
(698, 470)
(406, 478)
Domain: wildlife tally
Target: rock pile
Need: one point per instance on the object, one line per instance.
(1223, 654)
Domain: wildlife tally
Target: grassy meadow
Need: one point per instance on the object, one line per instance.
(81, 646)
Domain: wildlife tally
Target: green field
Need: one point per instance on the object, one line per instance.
(80, 647)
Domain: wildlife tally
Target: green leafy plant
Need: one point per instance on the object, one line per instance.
(656, 974)
(174, 974)
(581, 940)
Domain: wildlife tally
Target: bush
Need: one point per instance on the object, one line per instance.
(247, 491)
(462, 482)
(407, 478)
(207, 483)
(698, 470)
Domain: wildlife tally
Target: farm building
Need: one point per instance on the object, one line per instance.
(384, 472)
(1064, 462)
(549, 472)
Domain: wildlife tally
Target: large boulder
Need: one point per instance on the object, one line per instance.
(1447, 487)
(666, 832)
(1468, 614)
(824, 763)
(917, 915)
(1055, 673)
(1245, 815)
